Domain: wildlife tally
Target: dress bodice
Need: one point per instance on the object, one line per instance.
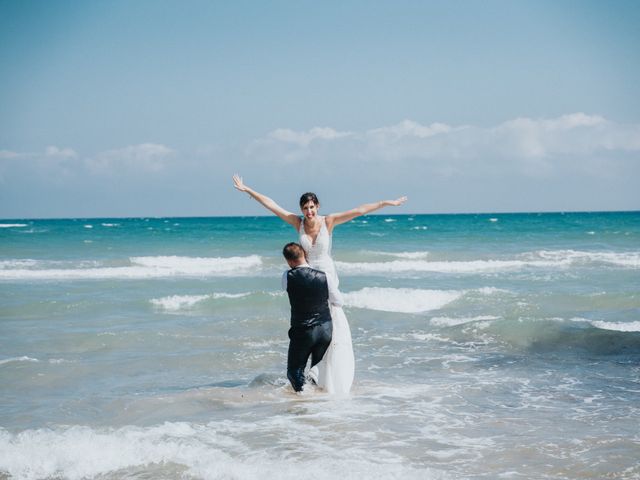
(319, 253)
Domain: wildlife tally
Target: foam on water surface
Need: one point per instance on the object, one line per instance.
(139, 268)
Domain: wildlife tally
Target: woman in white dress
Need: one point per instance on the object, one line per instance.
(335, 371)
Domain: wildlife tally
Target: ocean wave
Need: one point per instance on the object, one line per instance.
(17, 263)
(18, 359)
(13, 225)
(139, 268)
(554, 259)
(407, 255)
(612, 326)
(455, 321)
(175, 303)
(623, 259)
(401, 300)
(401, 266)
(551, 334)
(172, 450)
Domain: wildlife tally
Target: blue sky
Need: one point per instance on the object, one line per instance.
(146, 108)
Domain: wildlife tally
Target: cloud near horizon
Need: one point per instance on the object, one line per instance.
(523, 145)
(579, 161)
(146, 157)
(65, 161)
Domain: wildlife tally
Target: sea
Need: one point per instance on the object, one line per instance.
(488, 346)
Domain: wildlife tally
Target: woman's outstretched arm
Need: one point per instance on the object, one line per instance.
(338, 218)
(269, 204)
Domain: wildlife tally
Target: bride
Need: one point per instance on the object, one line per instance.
(335, 371)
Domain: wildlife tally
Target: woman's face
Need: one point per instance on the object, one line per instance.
(310, 209)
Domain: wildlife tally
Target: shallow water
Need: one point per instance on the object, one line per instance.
(487, 346)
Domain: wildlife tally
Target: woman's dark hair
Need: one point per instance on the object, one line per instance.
(308, 197)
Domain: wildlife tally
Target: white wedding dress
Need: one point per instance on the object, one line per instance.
(335, 371)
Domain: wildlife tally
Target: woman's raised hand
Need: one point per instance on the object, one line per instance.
(398, 202)
(239, 184)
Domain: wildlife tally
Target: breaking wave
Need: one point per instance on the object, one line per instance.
(175, 303)
(402, 300)
(558, 259)
(138, 268)
(172, 450)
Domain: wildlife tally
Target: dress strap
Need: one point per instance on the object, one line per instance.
(324, 224)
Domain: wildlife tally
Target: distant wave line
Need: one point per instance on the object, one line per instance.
(140, 268)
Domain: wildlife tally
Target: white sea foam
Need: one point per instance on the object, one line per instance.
(400, 266)
(18, 359)
(177, 302)
(277, 293)
(407, 255)
(142, 268)
(58, 361)
(402, 300)
(623, 259)
(489, 290)
(614, 326)
(12, 225)
(541, 259)
(173, 450)
(618, 326)
(17, 263)
(180, 302)
(199, 265)
(454, 321)
(110, 224)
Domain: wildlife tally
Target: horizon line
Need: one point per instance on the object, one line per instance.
(123, 217)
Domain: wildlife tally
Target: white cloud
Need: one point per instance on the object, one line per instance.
(49, 152)
(53, 151)
(148, 157)
(9, 155)
(408, 128)
(524, 145)
(305, 138)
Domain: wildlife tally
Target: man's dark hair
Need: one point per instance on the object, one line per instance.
(293, 251)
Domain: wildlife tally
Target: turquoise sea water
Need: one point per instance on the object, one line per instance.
(487, 346)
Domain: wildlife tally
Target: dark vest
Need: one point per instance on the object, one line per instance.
(308, 296)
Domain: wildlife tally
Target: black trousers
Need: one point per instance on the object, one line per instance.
(305, 342)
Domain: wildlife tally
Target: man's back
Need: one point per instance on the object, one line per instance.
(309, 296)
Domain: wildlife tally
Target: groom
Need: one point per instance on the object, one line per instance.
(309, 295)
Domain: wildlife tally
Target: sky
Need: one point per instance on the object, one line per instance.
(147, 108)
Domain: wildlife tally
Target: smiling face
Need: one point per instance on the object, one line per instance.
(310, 209)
